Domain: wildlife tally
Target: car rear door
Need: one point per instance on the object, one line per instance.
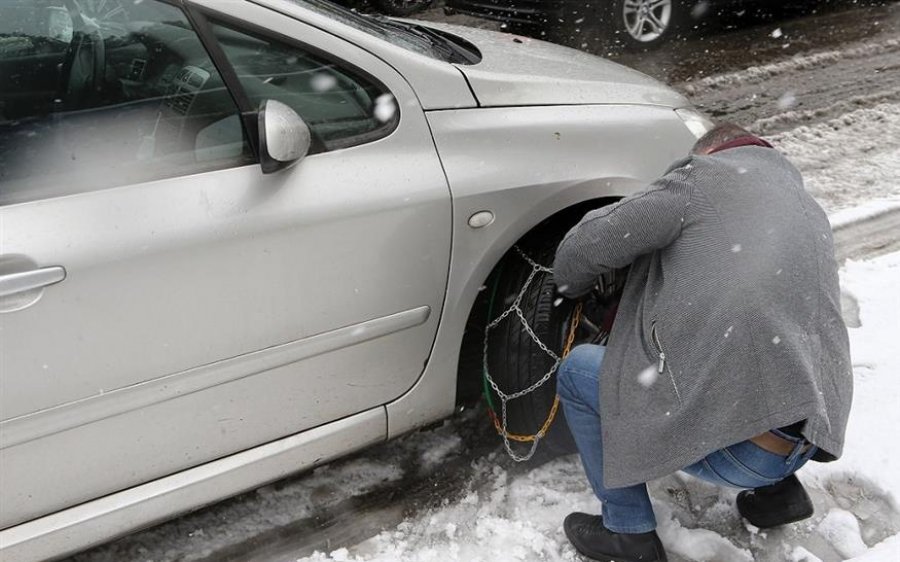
(162, 302)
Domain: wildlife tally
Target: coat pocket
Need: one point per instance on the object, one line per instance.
(663, 365)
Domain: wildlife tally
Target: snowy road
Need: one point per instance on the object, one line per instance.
(448, 493)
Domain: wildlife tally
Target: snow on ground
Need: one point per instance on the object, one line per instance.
(870, 469)
(848, 159)
(763, 73)
(867, 211)
(508, 514)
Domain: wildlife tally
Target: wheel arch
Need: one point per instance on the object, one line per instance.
(433, 397)
(469, 356)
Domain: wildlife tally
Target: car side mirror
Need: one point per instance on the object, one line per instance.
(284, 138)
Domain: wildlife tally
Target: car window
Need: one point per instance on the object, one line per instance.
(341, 107)
(98, 95)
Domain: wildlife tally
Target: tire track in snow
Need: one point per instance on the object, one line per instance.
(805, 89)
(814, 61)
(780, 121)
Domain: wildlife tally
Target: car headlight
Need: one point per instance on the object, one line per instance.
(696, 122)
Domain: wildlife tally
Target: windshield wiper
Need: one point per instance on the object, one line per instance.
(448, 49)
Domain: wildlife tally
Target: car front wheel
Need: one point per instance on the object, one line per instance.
(529, 327)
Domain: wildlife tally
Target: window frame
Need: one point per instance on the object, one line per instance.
(202, 19)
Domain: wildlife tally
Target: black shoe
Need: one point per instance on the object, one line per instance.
(778, 504)
(592, 539)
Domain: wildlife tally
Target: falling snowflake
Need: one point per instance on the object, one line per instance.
(776, 33)
(322, 82)
(787, 100)
(700, 9)
(648, 376)
(776, 340)
(736, 248)
(385, 108)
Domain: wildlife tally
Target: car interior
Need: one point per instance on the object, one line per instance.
(131, 95)
(337, 104)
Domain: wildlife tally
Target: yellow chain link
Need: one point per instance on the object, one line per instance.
(576, 318)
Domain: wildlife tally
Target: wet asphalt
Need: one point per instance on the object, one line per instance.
(733, 38)
(768, 69)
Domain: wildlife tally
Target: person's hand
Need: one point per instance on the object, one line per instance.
(608, 288)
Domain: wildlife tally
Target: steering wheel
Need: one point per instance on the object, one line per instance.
(84, 64)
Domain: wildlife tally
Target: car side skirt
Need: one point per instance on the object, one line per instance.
(100, 520)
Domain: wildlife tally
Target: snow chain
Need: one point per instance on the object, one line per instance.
(500, 423)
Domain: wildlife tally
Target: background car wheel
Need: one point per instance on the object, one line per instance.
(635, 25)
(644, 24)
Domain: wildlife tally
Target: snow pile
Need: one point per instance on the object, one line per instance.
(866, 481)
(867, 211)
(787, 118)
(758, 74)
(851, 158)
(500, 518)
(510, 515)
(841, 529)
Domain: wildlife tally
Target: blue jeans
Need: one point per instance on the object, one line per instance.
(628, 510)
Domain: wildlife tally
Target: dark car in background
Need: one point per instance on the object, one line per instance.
(633, 24)
(389, 7)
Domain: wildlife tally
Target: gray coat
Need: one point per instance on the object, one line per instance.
(731, 311)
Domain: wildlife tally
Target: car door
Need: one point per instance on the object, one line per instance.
(163, 302)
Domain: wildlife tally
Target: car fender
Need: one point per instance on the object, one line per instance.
(523, 165)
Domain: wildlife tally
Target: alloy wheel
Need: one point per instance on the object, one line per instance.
(647, 20)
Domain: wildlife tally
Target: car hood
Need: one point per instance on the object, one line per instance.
(517, 70)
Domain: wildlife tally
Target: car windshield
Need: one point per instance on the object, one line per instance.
(416, 38)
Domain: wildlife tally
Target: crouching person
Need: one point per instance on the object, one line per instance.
(728, 359)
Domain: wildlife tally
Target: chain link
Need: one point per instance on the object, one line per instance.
(504, 397)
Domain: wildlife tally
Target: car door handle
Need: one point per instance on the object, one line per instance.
(13, 283)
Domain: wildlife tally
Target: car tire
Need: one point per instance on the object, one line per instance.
(402, 7)
(516, 361)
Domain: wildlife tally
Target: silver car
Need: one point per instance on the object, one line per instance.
(241, 238)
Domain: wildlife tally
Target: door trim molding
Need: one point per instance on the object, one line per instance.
(95, 408)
